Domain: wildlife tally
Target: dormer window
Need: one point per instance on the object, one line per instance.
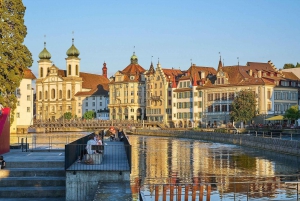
(131, 77)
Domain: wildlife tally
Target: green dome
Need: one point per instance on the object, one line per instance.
(73, 51)
(45, 54)
(134, 59)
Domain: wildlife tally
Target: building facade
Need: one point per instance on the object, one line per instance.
(61, 91)
(127, 92)
(23, 116)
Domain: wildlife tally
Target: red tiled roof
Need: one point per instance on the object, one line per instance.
(28, 74)
(98, 84)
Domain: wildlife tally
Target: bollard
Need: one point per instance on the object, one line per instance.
(256, 133)
(271, 134)
(22, 143)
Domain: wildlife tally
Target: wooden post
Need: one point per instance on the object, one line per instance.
(208, 192)
(156, 192)
(171, 192)
(164, 193)
(186, 189)
(194, 192)
(179, 193)
(201, 193)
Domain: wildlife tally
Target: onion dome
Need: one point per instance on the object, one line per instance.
(73, 51)
(134, 59)
(44, 53)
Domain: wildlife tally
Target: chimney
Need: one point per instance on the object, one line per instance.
(104, 70)
(250, 72)
(259, 74)
(202, 74)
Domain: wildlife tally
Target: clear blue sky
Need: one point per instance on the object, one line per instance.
(173, 31)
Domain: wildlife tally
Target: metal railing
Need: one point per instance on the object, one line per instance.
(116, 156)
(41, 142)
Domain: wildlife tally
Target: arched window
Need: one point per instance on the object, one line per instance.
(52, 93)
(60, 94)
(46, 95)
(42, 72)
(69, 94)
(76, 69)
(40, 95)
(70, 69)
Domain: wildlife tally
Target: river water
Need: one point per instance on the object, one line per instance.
(233, 172)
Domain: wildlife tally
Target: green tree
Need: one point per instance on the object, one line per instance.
(287, 66)
(243, 106)
(292, 113)
(15, 58)
(89, 115)
(298, 65)
(68, 115)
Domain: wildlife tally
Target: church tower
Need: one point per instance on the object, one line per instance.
(72, 61)
(44, 62)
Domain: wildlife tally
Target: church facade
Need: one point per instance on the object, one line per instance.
(60, 91)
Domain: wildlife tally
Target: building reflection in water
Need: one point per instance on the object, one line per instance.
(228, 168)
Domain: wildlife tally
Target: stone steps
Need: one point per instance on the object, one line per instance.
(33, 180)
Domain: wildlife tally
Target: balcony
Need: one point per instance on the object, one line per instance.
(155, 98)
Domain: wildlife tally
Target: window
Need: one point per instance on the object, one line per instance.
(69, 94)
(76, 69)
(269, 94)
(132, 101)
(169, 102)
(18, 103)
(42, 73)
(86, 104)
(100, 103)
(40, 95)
(93, 98)
(60, 94)
(28, 97)
(94, 104)
(69, 69)
(46, 94)
(18, 115)
(269, 107)
(28, 86)
(224, 96)
(52, 93)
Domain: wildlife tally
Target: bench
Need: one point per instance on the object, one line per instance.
(98, 157)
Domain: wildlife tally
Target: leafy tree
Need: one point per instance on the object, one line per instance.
(287, 66)
(14, 55)
(298, 65)
(292, 113)
(89, 115)
(243, 106)
(68, 115)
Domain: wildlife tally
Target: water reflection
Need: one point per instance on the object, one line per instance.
(231, 171)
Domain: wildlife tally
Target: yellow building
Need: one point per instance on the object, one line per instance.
(159, 94)
(60, 91)
(127, 92)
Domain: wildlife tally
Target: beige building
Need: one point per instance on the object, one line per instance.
(60, 91)
(23, 116)
(127, 92)
(261, 78)
(159, 93)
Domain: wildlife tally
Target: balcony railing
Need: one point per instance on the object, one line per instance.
(155, 98)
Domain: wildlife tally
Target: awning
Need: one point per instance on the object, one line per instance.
(278, 117)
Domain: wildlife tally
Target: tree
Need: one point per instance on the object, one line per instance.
(289, 65)
(292, 113)
(298, 65)
(243, 106)
(89, 115)
(14, 55)
(68, 115)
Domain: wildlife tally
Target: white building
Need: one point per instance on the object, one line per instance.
(23, 116)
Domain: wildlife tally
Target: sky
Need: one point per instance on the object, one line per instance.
(175, 33)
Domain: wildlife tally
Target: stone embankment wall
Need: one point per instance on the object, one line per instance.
(271, 144)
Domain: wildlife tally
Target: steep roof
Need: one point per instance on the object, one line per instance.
(28, 74)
